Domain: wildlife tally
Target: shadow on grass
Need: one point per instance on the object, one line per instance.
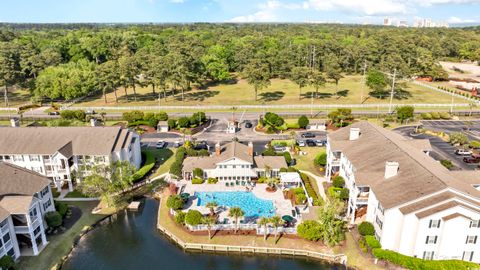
(198, 95)
(271, 96)
(342, 93)
(318, 95)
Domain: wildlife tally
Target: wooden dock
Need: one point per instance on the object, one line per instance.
(134, 206)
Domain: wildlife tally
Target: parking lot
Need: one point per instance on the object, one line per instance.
(441, 149)
(471, 128)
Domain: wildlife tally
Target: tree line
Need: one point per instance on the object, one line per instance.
(67, 62)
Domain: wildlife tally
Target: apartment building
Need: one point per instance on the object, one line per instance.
(234, 161)
(417, 206)
(65, 154)
(25, 197)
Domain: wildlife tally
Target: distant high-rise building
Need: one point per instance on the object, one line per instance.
(402, 23)
(427, 22)
(387, 21)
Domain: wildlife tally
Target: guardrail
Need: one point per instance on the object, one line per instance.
(336, 258)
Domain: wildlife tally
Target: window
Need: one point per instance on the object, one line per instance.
(379, 222)
(474, 223)
(11, 253)
(17, 158)
(233, 166)
(47, 204)
(34, 158)
(33, 212)
(471, 239)
(434, 223)
(7, 157)
(431, 240)
(1, 158)
(380, 208)
(467, 256)
(36, 231)
(6, 238)
(428, 255)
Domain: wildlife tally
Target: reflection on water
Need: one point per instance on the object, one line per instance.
(130, 240)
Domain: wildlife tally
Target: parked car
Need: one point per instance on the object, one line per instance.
(161, 144)
(177, 144)
(279, 148)
(308, 135)
(293, 162)
(202, 145)
(90, 112)
(463, 152)
(248, 124)
(301, 143)
(311, 143)
(472, 159)
(53, 113)
(320, 142)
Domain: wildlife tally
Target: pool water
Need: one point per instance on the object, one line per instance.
(253, 206)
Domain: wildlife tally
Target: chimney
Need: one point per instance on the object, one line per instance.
(354, 134)
(250, 149)
(391, 169)
(218, 150)
(15, 122)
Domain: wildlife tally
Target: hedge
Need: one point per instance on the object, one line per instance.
(73, 114)
(62, 208)
(53, 219)
(175, 202)
(419, 264)
(310, 191)
(372, 242)
(193, 217)
(212, 180)
(147, 167)
(197, 181)
(366, 228)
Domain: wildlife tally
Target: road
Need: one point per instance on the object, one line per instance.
(470, 128)
(441, 149)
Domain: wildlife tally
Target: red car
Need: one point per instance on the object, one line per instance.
(472, 159)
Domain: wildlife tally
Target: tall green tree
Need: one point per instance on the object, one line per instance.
(129, 70)
(299, 75)
(236, 213)
(316, 80)
(333, 228)
(334, 70)
(108, 78)
(257, 74)
(10, 70)
(276, 222)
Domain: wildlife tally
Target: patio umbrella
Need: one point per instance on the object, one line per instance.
(287, 218)
(185, 195)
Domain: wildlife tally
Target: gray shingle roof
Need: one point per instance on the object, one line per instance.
(16, 204)
(228, 151)
(419, 175)
(48, 140)
(15, 180)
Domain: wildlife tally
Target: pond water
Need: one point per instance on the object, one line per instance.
(131, 241)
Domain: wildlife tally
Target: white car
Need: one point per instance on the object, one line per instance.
(463, 152)
(301, 143)
(161, 144)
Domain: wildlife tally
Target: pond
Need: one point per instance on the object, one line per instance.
(130, 240)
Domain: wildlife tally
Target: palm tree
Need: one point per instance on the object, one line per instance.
(236, 213)
(276, 221)
(211, 206)
(209, 221)
(264, 223)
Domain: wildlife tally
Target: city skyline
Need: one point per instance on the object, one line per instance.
(453, 12)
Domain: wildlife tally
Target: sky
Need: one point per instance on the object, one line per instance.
(317, 11)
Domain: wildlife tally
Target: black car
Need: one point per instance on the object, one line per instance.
(308, 135)
(248, 125)
(54, 113)
(201, 146)
(293, 162)
(310, 143)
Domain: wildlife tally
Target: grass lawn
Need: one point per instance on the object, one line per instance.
(354, 254)
(305, 162)
(60, 245)
(281, 91)
(75, 194)
(165, 157)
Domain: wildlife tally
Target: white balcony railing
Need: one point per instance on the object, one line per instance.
(21, 229)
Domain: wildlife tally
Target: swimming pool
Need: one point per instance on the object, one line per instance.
(253, 206)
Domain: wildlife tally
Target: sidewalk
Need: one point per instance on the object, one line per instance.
(320, 181)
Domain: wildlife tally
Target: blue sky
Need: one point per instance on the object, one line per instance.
(343, 11)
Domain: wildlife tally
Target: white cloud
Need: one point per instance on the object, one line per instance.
(261, 16)
(443, 2)
(360, 7)
(454, 20)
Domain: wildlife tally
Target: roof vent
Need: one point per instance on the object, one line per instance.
(15, 122)
(354, 134)
(391, 169)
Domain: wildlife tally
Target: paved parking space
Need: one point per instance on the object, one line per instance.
(471, 128)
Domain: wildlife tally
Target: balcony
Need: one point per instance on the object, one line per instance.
(21, 229)
(62, 171)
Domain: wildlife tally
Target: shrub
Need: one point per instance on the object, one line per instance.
(320, 159)
(292, 169)
(362, 244)
(435, 115)
(419, 264)
(309, 188)
(338, 182)
(426, 116)
(197, 181)
(172, 123)
(175, 202)
(445, 115)
(53, 219)
(366, 228)
(372, 242)
(310, 230)
(73, 115)
(147, 167)
(300, 198)
(180, 217)
(183, 122)
(212, 180)
(446, 163)
(197, 172)
(474, 144)
(287, 156)
(7, 262)
(283, 169)
(132, 116)
(261, 179)
(193, 217)
(458, 137)
(273, 119)
(404, 113)
(344, 194)
(62, 208)
(303, 121)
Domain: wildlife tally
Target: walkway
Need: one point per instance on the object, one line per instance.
(77, 199)
(320, 181)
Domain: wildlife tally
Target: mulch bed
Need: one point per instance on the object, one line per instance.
(74, 217)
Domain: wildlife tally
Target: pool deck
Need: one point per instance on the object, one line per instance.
(282, 206)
